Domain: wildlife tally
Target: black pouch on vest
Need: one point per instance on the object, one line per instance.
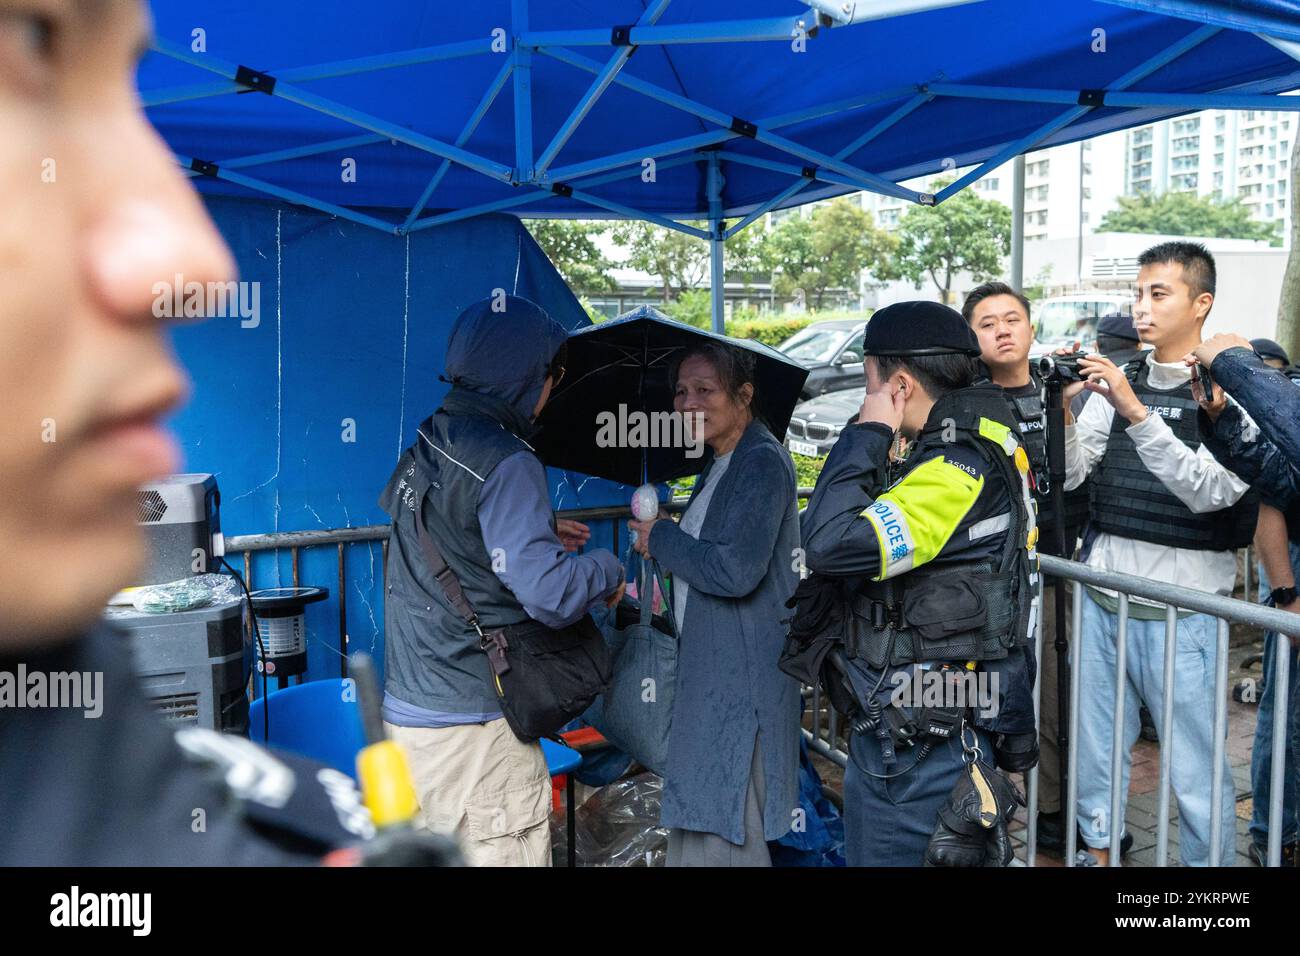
(544, 677)
(946, 615)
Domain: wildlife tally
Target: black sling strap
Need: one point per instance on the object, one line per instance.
(445, 576)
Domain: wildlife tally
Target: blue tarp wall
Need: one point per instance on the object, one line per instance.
(348, 342)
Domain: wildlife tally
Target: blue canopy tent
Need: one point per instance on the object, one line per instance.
(398, 127)
(727, 110)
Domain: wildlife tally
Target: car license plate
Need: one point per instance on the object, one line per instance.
(804, 448)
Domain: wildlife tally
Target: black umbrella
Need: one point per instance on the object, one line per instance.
(620, 367)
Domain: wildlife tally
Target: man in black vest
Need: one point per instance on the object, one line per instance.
(1000, 318)
(936, 558)
(473, 481)
(1161, 508)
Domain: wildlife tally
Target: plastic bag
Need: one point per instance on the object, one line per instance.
(618, 825)
(202, 590)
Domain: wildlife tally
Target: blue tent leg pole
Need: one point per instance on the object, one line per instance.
(717, 268)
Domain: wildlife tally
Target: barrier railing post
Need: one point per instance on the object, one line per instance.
(1072, 758)
(1277, 771)
(1166, 736)
(1220, 741)
(1031, 808)
(817, 711)
(1118, 743)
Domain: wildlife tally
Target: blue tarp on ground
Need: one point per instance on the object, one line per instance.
(351, 331)
(1050, 44)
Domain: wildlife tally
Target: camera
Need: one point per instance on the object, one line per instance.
(1061, 368)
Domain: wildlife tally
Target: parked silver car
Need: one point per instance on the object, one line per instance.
(816, 424)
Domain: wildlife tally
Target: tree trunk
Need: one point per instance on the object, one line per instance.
(1288, 308)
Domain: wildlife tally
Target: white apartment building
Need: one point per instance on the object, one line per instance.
(1066, 187)
(1217, 153)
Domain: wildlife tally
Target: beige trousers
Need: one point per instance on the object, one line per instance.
(480, 784)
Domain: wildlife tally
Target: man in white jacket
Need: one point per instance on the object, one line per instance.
(1161, 507)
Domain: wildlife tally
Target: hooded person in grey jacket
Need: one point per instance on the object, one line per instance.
(471, 478)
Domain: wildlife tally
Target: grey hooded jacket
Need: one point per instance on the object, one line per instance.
(472, 479)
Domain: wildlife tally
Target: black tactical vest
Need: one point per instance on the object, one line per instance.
(1031, 421)
(1128, 501)
(968, 611)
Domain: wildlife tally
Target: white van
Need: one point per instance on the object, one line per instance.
(1062, 319)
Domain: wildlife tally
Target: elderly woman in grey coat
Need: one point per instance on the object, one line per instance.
(730, 783)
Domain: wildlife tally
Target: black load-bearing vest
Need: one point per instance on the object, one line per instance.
(1127, 500)
(964, 611)
(1031, 421)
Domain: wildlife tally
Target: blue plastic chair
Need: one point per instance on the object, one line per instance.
(559, 758)
(319, 719)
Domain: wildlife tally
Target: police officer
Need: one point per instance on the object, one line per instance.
(935, 557)
(1161, 508)
(1000, 317)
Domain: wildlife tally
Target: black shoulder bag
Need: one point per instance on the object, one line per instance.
(544, 677)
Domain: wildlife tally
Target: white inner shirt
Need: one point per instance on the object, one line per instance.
(691, 523)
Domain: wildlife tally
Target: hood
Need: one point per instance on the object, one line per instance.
(501, 347)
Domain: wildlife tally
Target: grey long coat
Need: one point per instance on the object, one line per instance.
(740, 571)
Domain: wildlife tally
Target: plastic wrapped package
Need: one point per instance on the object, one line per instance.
(202, 590)
(618, 825)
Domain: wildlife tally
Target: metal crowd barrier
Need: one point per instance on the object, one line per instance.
(831, 744)
(1174, 598)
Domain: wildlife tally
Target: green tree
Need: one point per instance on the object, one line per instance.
(681, 262)
(965, 234)
(571, 245)
(1186, 214)
(828, 250)
(677, 260)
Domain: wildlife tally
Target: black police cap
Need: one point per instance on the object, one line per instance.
(1118, 326)
(1268, 349)
(919, 328)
